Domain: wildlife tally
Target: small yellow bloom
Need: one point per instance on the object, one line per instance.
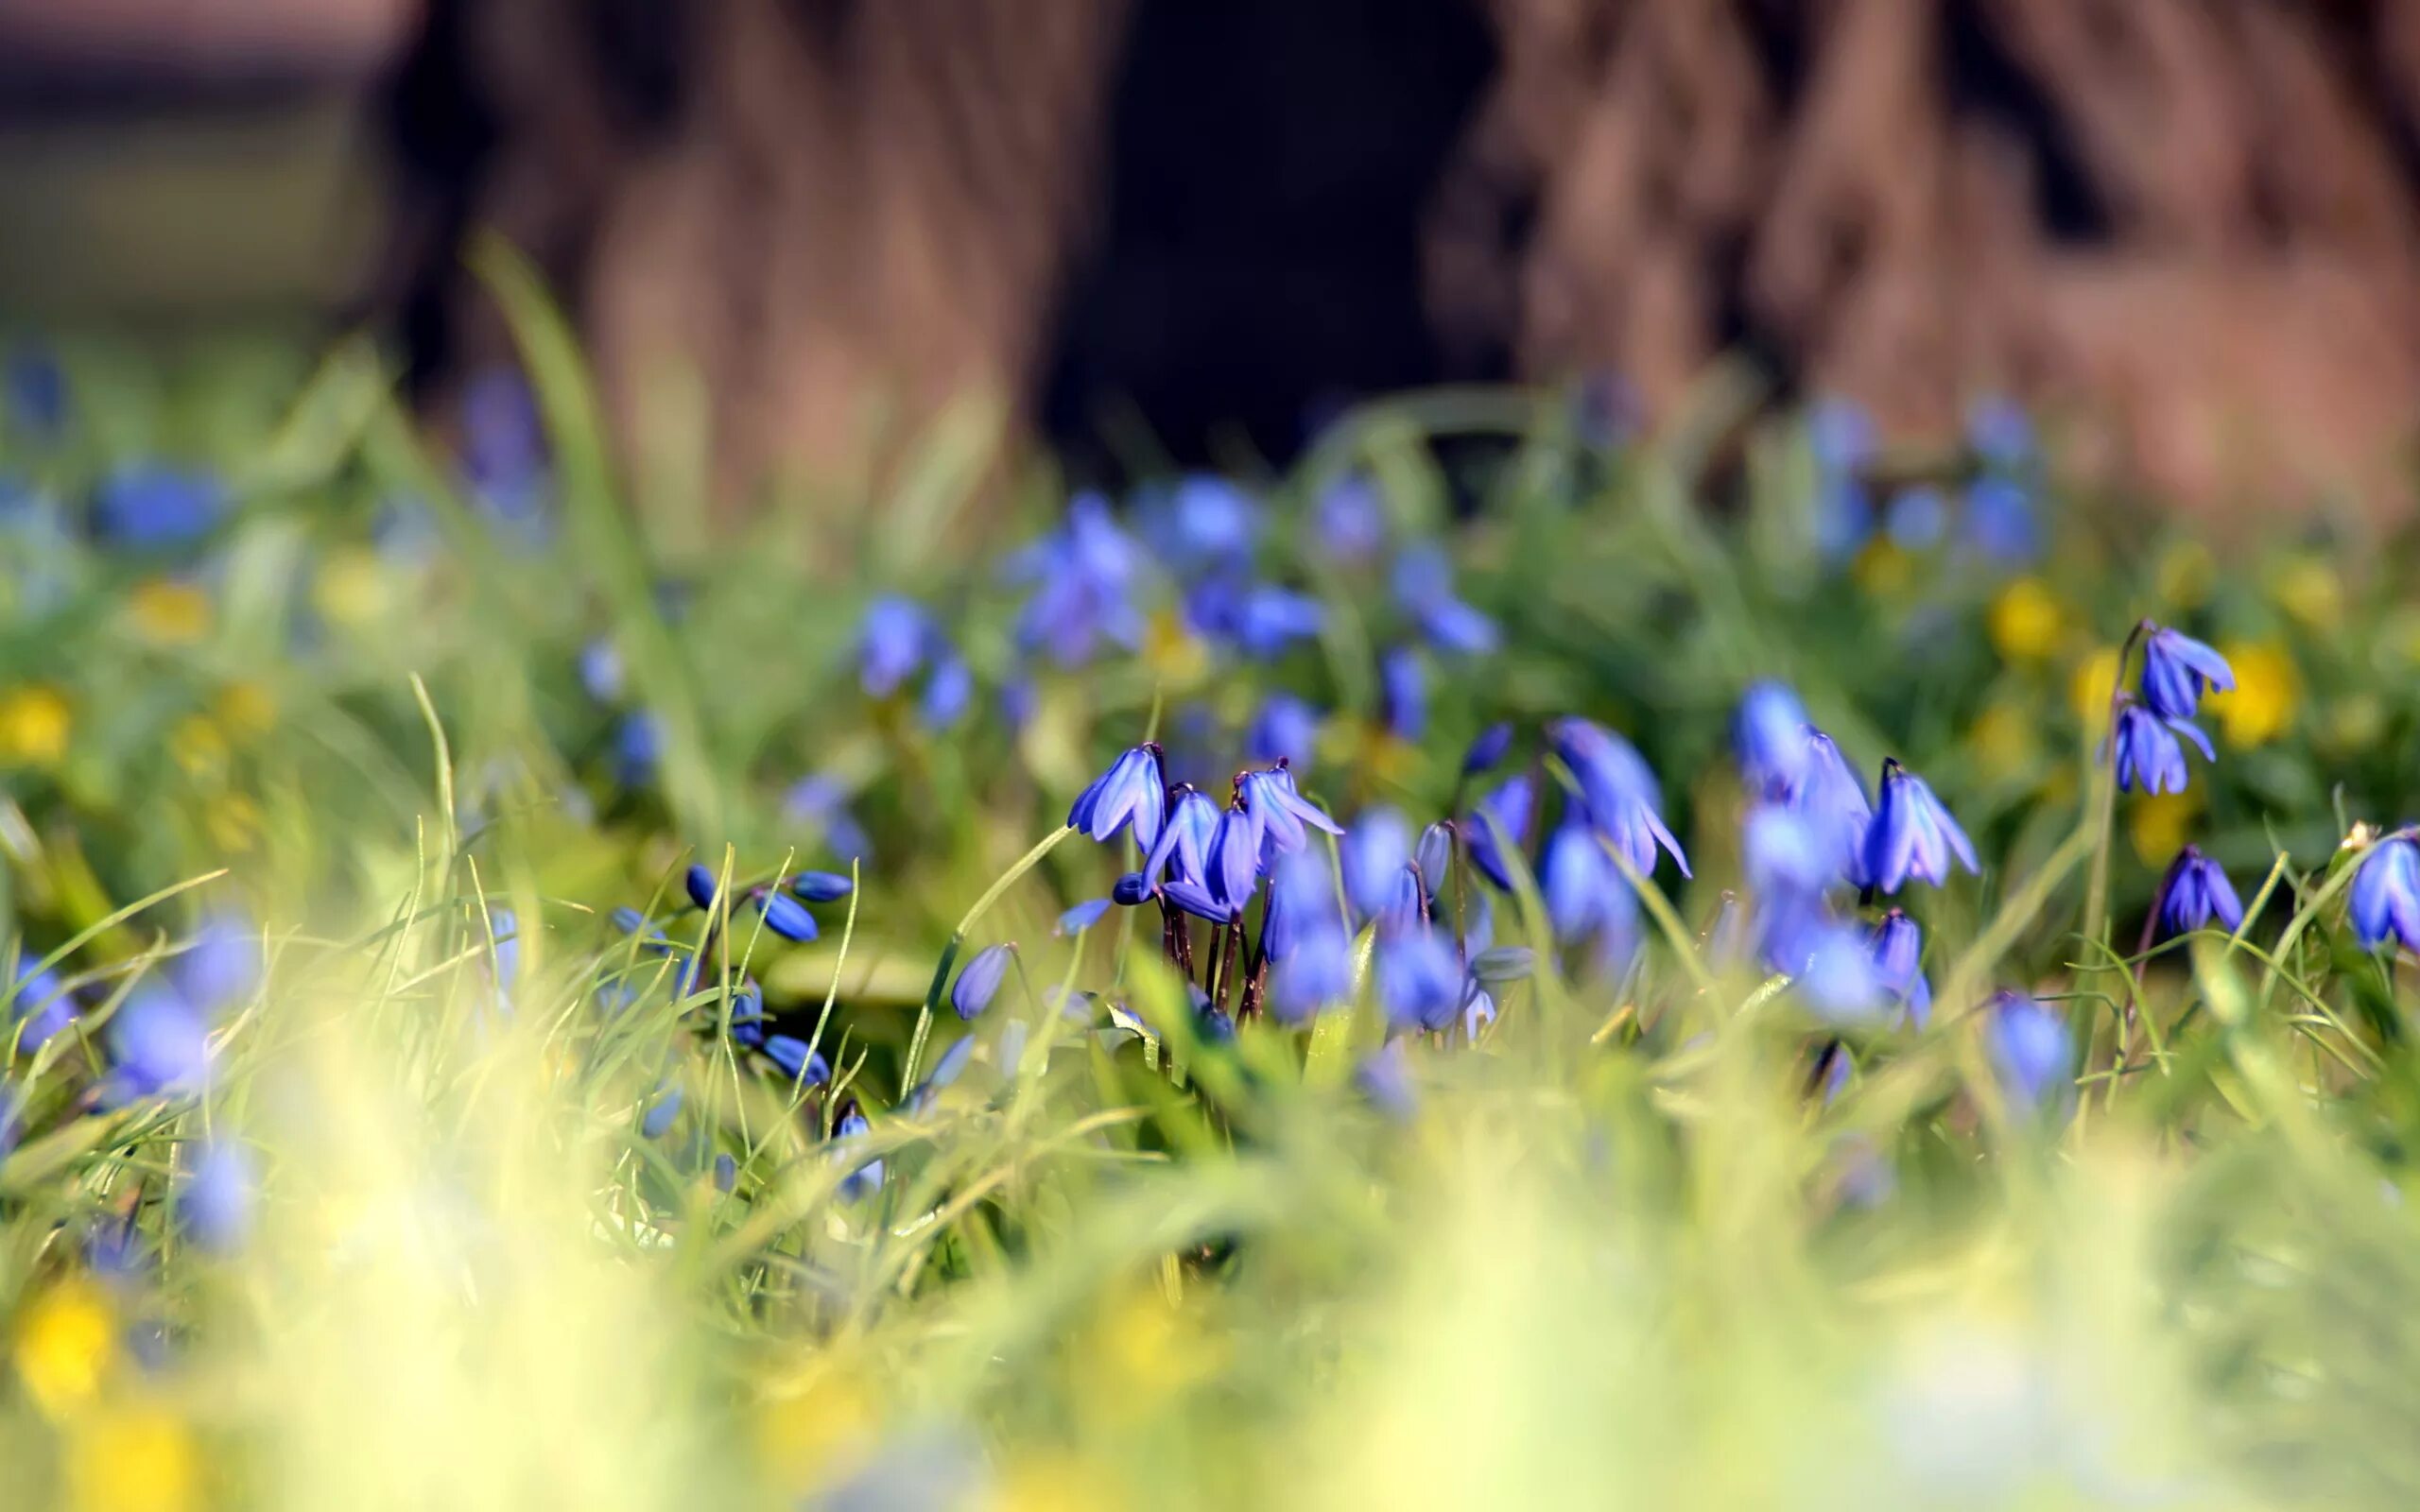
(66, 1346)
(168, 612)
(354, 588)
(803, 1435)
(198, 746)
(2094, 684)
(1882, 569)
(2026, 622)
(132, 1456)
(246, 709)
(2003, 741)
(2308, 589)
(2160, 823)
(232, 821)
(2186, 569)
(34, 726)
(1056, 1482)
(1141, 1350)
(1173, 652)
(2267, 689)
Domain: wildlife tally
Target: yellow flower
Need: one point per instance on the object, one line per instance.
(133, 1456)
(198, 746)
(2026, 620)
(1173, 652)
(2003, 741)
(1056, 1482)
(246, 709)
(1882, 569)
(232, 821)
(2185, 570)
(2307, 588)
(1141, 1350)
(2090, 690)
(66, 1346)
(34, 724)
(805, 1435)
(2267, 689)
(353, 588)
(2160, 823)
(168, 612)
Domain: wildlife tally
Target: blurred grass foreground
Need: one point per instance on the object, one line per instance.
(1578, 975)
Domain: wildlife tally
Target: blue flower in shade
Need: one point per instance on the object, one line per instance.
(1833, 798)
(1623, 798)
(891, 642)
(1403, 693)
(1279, 815)
(1832, 971)
(2195, 892)
(660, 1112)
(1768, 735)
(221, 965)
(41, 1007)
(979, 980)
(1350, 521)
(1316, 973)
(1204, 521)
(2386, 893)
(1182, 851)
(1419, 982)
(36, 387)
(1487, 749)
(215, 1207)
(945, 1070)
(1374, 855)
(1302, 899)
(799, 1064)
(1267, 619)
(1787, 857)
(865, 1179)
(1423, 584)
(1130, 792)
(820, 801)
(1434, 857)
(1286, 729)
(1913, 836)
(638, 745)
(1085, 578)
(1504, 812)
(1081, 918)
(726, 1174)
(1384, 1076)
(161, 1043)
(822, 887)
(2031, 1050)
(1586, 896)
(2149, 755)
(151, 506)
(1841, 435)
(2001, 520)
(948, 693)
(2177, 670)
(1131, 890)
(601, 671)
(1897, 947)
(1917, 519)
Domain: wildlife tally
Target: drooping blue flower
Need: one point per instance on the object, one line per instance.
(1897, 946)
(1917, 519)
(1286, 729)
(152, 505)
(1085, 578)
(822, 887)
(638, 745)
(1302, 899)
(1487, 749)
(698, 882)
(1420, 981)
(1833, 798)
(1231, 866)
(1434, 857)
(2149, 755)
(1833, 973)
(160, 1043)
(1423, 585)
(1586, 895)
(1349, 522)
(2195, 892)
(1204, 523)
(1131, 890)
(1374, 855)
(945, 1070)
(2031, 1048)
(2001, 520)
(1789, 858)
(600, 670)
(948, 694)
(43, 1009)
(1081, 918)
(865, 1179)
(1403, 693)
(1504, 812)
(2177, 670)
(661, 1111)
(2386, 893)
(1624, 800)
(820, 801)
(799, 1064)
(786, 915)
(1384, 1076)
(1913, 836)
(215, 1204)
(1769, 736)
(1130, 791)
(1267, 619)
(1315, 974)
(1278, 813)
(221, 965)
(892, 639)
(979, 980)
(1183, 850)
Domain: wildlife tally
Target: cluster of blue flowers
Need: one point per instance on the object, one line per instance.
(2150, 723)
(1991, 512)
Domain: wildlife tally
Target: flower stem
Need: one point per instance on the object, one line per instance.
(958, 938)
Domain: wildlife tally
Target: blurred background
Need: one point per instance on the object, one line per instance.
(2184, 230)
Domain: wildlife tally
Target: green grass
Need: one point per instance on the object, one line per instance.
(1616, 1254)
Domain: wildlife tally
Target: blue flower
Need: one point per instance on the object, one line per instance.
(1833, 798)
(1917, 519)
(1131, 890)
(1586, 896)
(216, 1205)
(602, 671)
(2195, 891)
(1315, 972)
(2177, 670)
(36, 387)
(699, 881)
(161, 1043)
(1768, 735)
(1506, 811)
(2031, 1048)
(1913, 836)
(1182, 851)
(979, 980)
(1423, 584)
(660, 1112)
(891, 643)
(786, 915)
(1374, 854)
(2149, 755)
(222, 964)
(1286, 729)
(945, 1070)
(44, 1007)
(821, 801)
(1403, 689)
(1081, 918)
(799, 1064)
(1897, 947)
(1384, 1076)
(1230, 867)
(1420, 981)
(1787, 856)
(822, 887)
(1278, 813)
(1302, 900)
(638, 744)
(1832, 971)
(1841, 435)
(1487, 749)
(151, 505)
(1204, 521)
(2386, 893)
(865, 1179)
(2001, 432)
(948, 693)
(1267, 619)
(1623, 798)
(1478, 1011)
(1130, 792)
(1083, 579)
(1350, 521)
(2001, 520)
(1433, 856)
